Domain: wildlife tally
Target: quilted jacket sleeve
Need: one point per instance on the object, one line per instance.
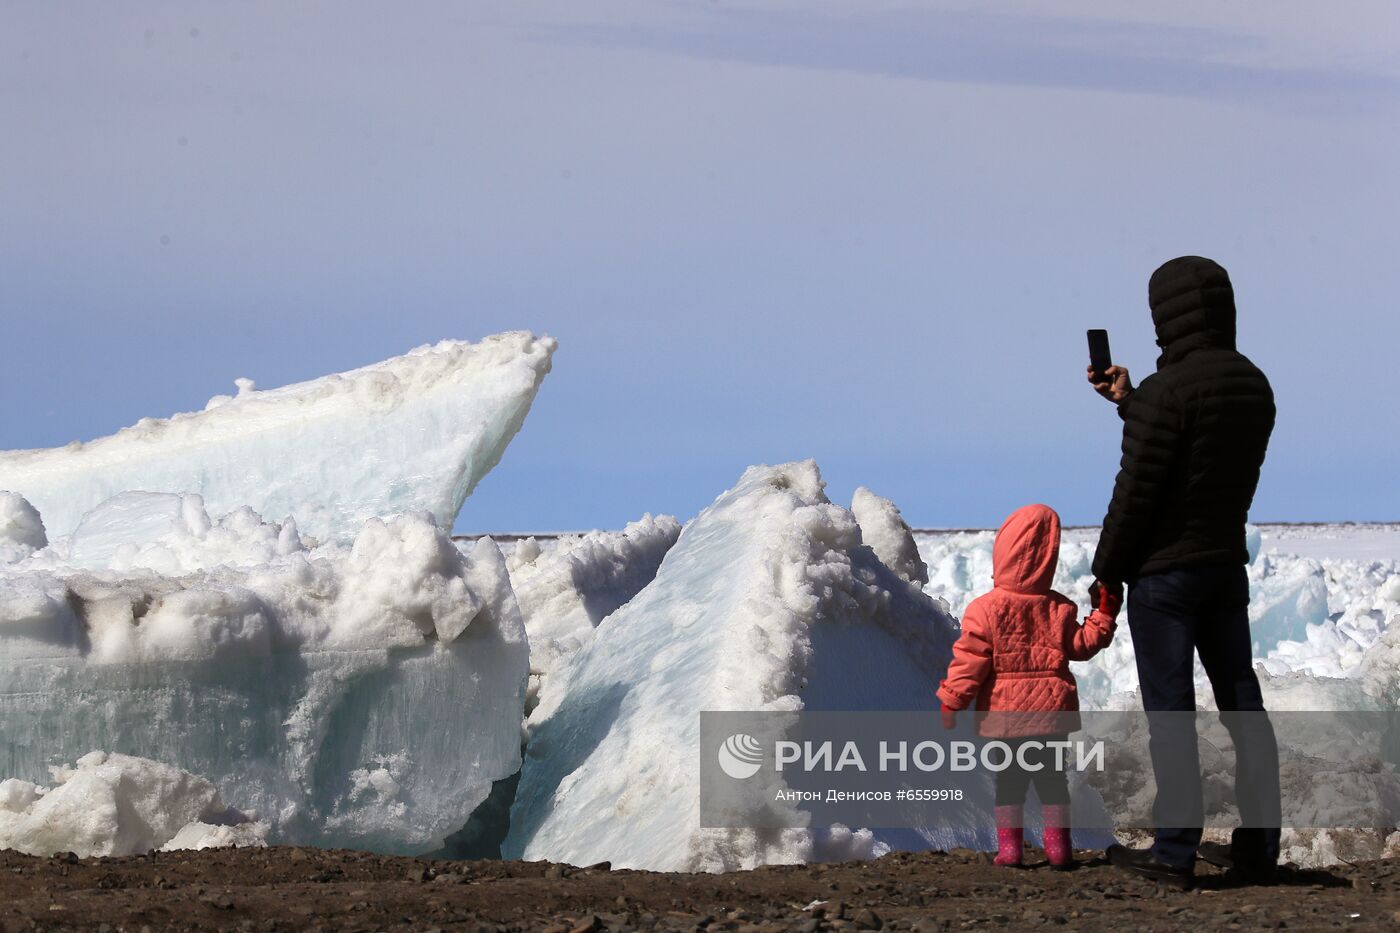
(1092, 637)
(1153, 433)
(972, 661)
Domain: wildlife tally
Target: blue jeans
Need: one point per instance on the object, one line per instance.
(1204, 610)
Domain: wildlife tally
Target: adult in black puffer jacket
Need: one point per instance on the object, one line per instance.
(1194, 437)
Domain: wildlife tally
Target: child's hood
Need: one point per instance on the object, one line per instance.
(1027, 550)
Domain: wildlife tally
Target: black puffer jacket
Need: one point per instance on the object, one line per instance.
(1194, 435)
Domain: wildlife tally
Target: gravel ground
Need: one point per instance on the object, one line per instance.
(308, 889)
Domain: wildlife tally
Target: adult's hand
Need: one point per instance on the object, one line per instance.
(1116, 385)
(1107, 597)
(949, 717)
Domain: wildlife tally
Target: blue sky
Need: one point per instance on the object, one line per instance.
(870, 233)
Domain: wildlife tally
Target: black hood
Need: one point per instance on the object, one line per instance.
(1193, 306)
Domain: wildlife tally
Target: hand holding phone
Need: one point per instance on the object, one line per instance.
(1108, 380)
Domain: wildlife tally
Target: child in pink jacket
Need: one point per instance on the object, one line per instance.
(1012, 659)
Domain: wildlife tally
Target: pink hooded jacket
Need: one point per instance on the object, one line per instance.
(1017, 641)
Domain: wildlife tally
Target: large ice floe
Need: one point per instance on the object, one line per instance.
(364, 689)
(361, 696)
(412, 433)
(768, 601)
(120, 805)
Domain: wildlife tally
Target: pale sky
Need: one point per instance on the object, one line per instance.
(870, 233)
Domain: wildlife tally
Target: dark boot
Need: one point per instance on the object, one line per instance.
(1217, 854)
(1240, 860)
(1144, 864)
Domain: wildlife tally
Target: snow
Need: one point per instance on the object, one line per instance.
(768, 601)
(1316, 610)
(364, 695)
(201, 835)
(21, 529)
(172, 534)
(120, 805)
(412, 433)
(406, 581)
(1287, 595)
(888, 535)
(1380, 668)
(566, 591)
(1354, 542)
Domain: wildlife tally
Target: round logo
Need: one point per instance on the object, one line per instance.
(740, 756)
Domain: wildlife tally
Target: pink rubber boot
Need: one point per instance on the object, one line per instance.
(1058, 848)
(1010, 835)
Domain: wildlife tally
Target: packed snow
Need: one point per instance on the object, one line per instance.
(362, 696)
(22, 530)
(172, 534)
(413, 433)
(120, 805)
(885, 531)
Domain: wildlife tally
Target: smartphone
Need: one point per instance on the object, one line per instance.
(1099, 357)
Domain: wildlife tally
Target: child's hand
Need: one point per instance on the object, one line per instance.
(1107, 597)
(950, 718)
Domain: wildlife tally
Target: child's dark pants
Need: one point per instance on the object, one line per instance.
(1051, 785)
